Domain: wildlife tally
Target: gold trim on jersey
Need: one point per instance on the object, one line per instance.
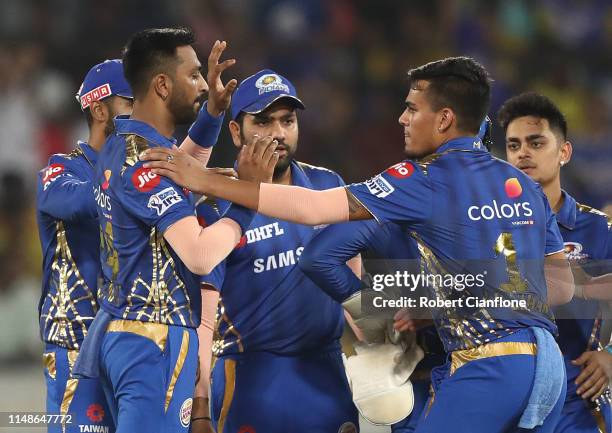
(588, 209)
(156, 332)
(505, 245)
(49, 364)
(461, 357)
(71, 386)
(228, 395)
(454, 323)
(178, 367)
(63, 271)
(158, 304)
(72, 355)
(219, 343)
(134, 146)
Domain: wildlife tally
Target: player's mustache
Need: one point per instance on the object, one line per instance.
(201, 98)
(525, 164)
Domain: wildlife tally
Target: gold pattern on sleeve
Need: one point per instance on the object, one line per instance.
(67, 291)
(134, 146)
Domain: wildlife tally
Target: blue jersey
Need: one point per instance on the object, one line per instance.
(69, 236)
(267, 303)
(143, 277)
(475, 215)
(587, 235)
(324, 261)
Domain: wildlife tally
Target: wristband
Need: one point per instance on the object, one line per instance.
(206, 128)
(241, 215)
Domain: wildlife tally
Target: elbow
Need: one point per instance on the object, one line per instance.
(199, 267)
(307, 262)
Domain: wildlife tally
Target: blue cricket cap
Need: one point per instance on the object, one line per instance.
(259, 91)
(103, 80)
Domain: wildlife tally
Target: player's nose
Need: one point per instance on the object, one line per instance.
(203, 85)
(278, 131)
(403, 119)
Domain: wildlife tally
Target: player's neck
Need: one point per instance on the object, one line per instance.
(554, 194)
(96, 138)
(154, 115)
(283, 178)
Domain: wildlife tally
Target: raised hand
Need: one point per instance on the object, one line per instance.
(219, 95)
(256, 160)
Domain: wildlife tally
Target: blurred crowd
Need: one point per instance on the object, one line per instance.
(347, 58)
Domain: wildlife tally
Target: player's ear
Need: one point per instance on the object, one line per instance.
(234, 128)
(99, 111)
(446, 118)
(162, 85)
(566, 152)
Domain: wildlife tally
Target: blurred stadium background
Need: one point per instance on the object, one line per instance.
(348, 60)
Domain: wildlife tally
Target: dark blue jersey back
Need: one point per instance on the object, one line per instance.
(472, 214)
(267, 303)
(143, 278)
(69, 236)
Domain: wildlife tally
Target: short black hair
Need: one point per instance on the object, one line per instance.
(459, 83)
(532, 104)
(152, 51)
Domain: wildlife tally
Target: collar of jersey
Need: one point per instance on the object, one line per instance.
(124, 126)
(567, 214)
(90, 154)
(463, 143)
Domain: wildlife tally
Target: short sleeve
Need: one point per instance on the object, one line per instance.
(153, 199)
(400, 194)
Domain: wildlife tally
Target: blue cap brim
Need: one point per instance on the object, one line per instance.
(259, 106)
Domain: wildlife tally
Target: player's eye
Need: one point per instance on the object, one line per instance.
(289, 121)
(537, 144)
(512, 146)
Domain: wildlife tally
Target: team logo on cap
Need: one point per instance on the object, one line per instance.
(96, 94)
(271, 83)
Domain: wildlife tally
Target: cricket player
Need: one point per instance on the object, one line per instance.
(324, 261)
(461, 205)
(537, 144)
(279, 366)
(153, 250)
(69, 235)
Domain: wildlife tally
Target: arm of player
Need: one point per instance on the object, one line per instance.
(201, 249)
(290, 203)
(559, 279)
(64, 195)
(210, 299)
(200, 413)
(204, 132)
(324, 259)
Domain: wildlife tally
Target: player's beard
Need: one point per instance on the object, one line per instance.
(183, 110)
(109, 127)
(283, 164)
